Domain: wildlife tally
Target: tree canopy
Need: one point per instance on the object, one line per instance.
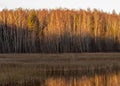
(59, 31)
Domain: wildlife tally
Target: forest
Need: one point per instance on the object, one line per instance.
(59, 31)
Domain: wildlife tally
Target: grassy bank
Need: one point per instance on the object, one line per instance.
(21, 69)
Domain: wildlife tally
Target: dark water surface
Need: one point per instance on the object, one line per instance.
(107, 79)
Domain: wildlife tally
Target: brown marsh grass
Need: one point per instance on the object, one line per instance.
(85, 69)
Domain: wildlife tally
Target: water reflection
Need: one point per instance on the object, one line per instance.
(109, 79)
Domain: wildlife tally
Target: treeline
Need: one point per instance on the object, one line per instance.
(59, 31)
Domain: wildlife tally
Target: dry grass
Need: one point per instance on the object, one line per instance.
(37, 69)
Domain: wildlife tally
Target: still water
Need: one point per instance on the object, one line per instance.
(108, 79)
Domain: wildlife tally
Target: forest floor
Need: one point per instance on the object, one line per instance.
(21, 67)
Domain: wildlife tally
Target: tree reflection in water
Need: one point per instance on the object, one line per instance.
(112, 79)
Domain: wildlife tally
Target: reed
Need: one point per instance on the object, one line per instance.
(60, 69)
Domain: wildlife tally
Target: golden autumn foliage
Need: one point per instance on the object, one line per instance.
(59, 31)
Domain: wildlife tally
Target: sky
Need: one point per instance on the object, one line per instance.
(105, 5)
